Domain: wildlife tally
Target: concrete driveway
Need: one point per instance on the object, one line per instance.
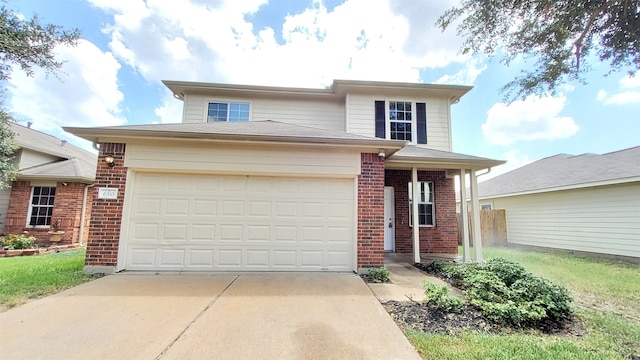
(279, 316)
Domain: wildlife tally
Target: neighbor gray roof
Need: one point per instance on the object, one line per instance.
(250, 131)
(565, 170)
(73, 163)
(421, 154)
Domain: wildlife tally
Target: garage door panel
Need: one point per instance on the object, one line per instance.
(230, 258)
(233, 223)
(200, 258)
(203, 233)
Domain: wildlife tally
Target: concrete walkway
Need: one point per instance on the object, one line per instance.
(406, 284)
(280, 316)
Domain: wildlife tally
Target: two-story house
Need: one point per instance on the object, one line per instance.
(260, 178)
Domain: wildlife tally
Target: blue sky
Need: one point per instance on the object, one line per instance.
(128, 46)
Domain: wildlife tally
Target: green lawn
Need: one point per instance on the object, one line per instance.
(28, 277)
(607, 301)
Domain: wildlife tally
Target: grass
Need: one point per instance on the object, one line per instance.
(607, 299)
(29, 277)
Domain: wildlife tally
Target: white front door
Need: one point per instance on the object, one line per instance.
(389, 219)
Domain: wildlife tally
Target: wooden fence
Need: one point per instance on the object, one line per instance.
(493, 227)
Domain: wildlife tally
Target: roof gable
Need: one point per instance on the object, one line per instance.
(74, 164)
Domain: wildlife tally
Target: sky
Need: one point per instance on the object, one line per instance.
(113, 76)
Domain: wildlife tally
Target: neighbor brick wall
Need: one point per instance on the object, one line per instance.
(441, 239)
(67, 209)
(106, 215)
(371, 212)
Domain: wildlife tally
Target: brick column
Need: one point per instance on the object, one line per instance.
(371, 212)
(106, 214)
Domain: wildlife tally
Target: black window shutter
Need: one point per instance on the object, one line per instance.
(421, 117)
(380, 119)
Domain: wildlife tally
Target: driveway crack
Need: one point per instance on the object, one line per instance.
(213, 301)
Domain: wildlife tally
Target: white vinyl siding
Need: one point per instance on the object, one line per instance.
(196, 222)
(361, 118)
(29, 158)
(603, 219)
(5, 194)
(321, 114)
(228, 159)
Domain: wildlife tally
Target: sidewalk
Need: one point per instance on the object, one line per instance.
(406, 283)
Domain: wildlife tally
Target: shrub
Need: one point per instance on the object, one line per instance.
(438, 297)
(508, 294)
(436, 266)
(380, 274)
(17, 241)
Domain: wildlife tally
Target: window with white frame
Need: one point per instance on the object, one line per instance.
(41, 207)
(485, 206)
(401, 120)
(426, 213)
(228, 111)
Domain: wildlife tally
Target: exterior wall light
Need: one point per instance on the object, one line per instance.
(381, 154)
(109, 160)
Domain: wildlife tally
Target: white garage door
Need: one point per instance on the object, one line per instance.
(230, 223)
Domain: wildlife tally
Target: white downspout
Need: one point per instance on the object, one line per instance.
(84, 210)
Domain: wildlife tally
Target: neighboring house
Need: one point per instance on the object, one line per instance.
(51, 188)
(260, 178)
(588, 203)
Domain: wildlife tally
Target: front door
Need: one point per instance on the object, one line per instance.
(389, 219)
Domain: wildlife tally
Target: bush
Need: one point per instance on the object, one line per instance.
(380, 274)
(508, 294)
(17, 242)
(438, 297)
(436, 266)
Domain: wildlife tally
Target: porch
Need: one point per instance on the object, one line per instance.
(428, 176)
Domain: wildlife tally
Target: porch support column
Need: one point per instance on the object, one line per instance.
(475, 208)
(464, 215)
(414, 205)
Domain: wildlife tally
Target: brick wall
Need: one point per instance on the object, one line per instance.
(441, 239)
(106, 214)
(67, 209)
(371, 212)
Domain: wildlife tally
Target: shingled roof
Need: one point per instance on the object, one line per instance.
(564, 170)
(72, 163)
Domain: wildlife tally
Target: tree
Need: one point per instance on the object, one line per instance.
(560, 34)
(28, 44)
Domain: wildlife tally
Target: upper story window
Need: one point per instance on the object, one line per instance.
(401, 120)
(41, 207)
(228, 111)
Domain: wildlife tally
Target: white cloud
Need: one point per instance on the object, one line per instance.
(171, 109)
(534, 118)
(627, 95)
(86, 94)
(358, 39)
(467, 76)
(513, 160)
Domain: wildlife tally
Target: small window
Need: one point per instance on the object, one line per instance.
(41, 207)
(486, 206)
(426, 214)
(228, 111)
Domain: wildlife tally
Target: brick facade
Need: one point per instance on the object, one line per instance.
(67, 209)
(106, 214)
(371, 212)
(441, 239)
